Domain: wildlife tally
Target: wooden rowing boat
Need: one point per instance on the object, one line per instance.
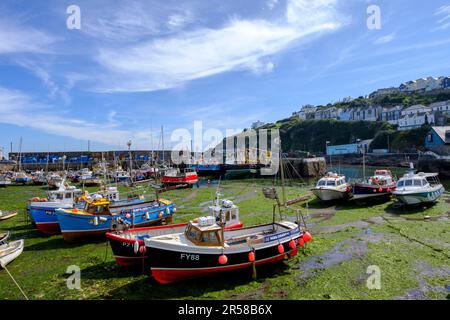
(10, 251)
(7, 214)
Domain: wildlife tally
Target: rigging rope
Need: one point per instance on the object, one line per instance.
(15, 282)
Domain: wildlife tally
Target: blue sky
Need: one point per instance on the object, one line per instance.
(137, 65)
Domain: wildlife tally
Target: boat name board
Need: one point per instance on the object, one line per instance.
(282, 235)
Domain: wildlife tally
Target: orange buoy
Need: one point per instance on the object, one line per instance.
(301, 242)
(293, 253)
(223, 259)
(307, 237)
(380, 189)
(128, 216)
(142, 249)
(292, 244)
(251, 256)
(280, 248)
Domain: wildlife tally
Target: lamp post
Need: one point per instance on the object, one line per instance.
(326, 151)
(129, 156)
(363, 151)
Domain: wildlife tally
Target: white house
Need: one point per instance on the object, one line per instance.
(307, 112)
(370, 113)
(418, 108)
(433, 83)
(415, 120)
(443, 107)
(327, 113)
(408, 86)
(391, 115)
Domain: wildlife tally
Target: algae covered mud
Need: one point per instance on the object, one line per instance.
(376, 251)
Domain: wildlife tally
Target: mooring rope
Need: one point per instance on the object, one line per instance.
(23, 293)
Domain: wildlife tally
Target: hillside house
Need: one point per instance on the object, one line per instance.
(438, 140)
(391, 115)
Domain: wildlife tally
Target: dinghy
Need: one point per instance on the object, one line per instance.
(7, 214)
(10, 251)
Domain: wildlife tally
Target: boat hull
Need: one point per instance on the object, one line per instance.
(11, 252)
(414, 198)
(366, 191)
(44, 216)
(330, 194)
(77, 227)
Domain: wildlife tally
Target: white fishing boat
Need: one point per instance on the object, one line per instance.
(10, 251)
(4, 181)
(332, 187)
(415, 188)
(55, 181)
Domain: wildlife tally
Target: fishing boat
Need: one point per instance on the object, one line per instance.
(420, 188)
(87, 178)
(43, 210)
(380, 185)
(128, 245)
(10, 251)
(332, 187)
(39, 177)
(120, 175)
(98, 217)
(175, 176)
(206, 248)
(21, 178)
(55, 181)
(4, 215)
(4, 181)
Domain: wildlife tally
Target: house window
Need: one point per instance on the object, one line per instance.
(430, 138)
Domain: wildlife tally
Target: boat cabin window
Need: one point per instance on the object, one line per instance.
(93, 209)
(68, 195)
(58, 196)
(408, 183)
(321, 183)
(401, 183)
(230, 215)
(417, 183)
(193, 233)
(203, 237)
(331, 183)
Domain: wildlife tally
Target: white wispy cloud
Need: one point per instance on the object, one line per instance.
(15, 38)
(168, 62)
(20, 109)
(385, 39)
(444, 22)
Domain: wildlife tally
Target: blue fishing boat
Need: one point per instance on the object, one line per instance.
(98, 217)
(42, 210)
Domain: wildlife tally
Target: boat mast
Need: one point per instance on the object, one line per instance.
(283, 191)
(20, 154)
(162, 143)
(130, 161)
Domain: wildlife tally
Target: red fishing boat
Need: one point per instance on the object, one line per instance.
(175, 176)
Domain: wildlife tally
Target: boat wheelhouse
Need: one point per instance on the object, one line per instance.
(418, 188)
(332, 187)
